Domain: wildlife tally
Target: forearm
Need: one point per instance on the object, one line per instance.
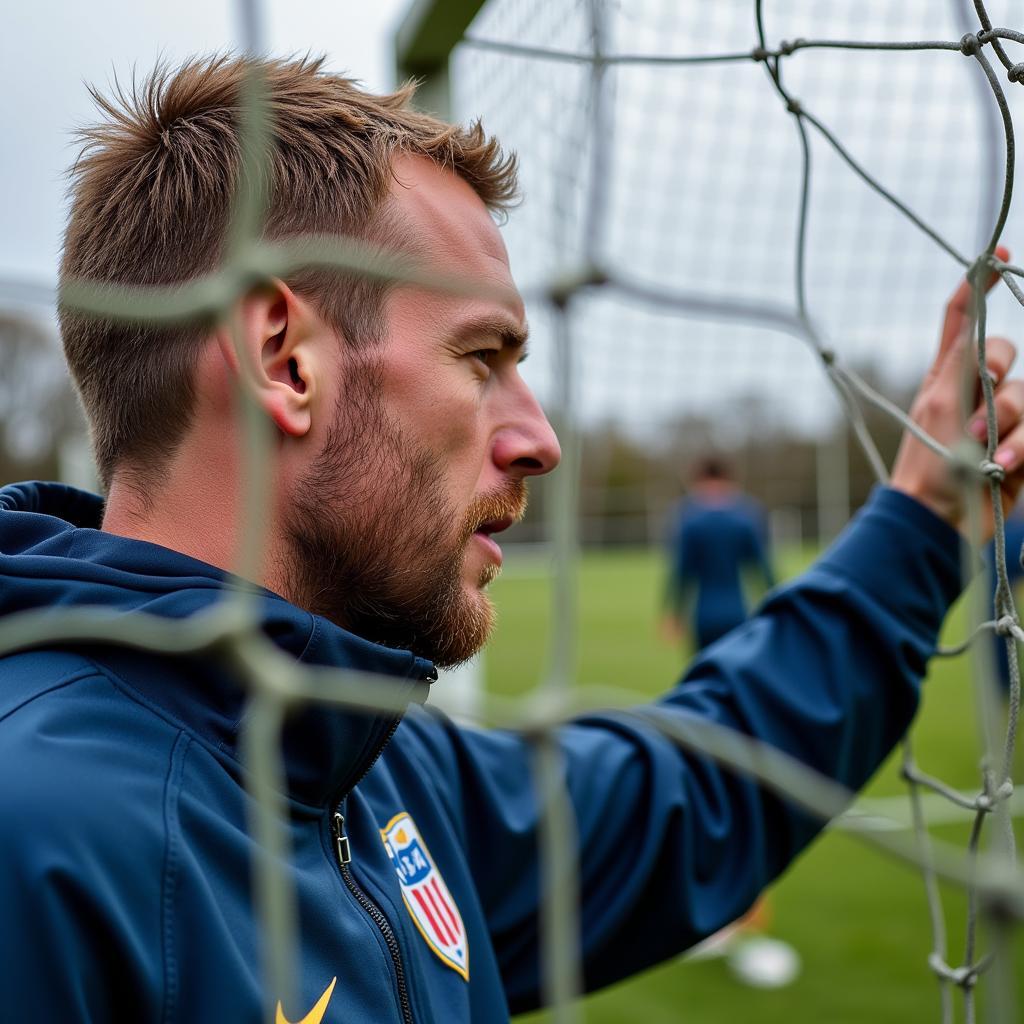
(672, 845)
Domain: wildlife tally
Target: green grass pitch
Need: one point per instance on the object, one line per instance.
(858, 919)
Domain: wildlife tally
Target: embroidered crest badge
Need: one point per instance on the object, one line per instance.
(424, 893)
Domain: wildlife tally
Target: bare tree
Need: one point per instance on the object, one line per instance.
(39, 412)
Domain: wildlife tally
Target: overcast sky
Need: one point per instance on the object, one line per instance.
(702, 192)
(50, 48)
(703, 176)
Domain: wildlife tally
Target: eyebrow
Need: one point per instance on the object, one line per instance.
(511, 334)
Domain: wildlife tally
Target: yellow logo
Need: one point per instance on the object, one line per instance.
(316, 1014)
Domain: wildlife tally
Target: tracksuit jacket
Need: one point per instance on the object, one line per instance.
(126, 861)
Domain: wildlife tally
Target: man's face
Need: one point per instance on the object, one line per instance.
(433, 436)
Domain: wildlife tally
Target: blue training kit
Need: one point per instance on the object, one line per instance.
(712, 543)
(126, 863)
(1013, 535)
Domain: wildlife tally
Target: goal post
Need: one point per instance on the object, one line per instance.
(424, 41)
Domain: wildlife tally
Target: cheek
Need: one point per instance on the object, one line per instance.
(444, 413)
(460, 443)
(462, 429)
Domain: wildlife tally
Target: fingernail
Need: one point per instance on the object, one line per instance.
(977, 428)
(1006, 457)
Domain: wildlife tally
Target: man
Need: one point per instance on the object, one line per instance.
(403, 436)
(717, 536)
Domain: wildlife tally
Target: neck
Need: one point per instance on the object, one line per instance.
(199, 515)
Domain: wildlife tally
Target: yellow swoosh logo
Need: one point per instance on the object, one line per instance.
(316, 1014)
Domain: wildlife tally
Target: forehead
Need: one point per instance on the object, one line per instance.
(443, 222)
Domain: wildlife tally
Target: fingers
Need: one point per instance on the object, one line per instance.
(957, 320)
(1010, 453)
(1009, 395)
(938, 410)
(1009, 407)
(999, 356)
(957, 323)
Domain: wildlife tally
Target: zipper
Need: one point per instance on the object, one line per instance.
(343, 853)
(343, 850)
(430, 677)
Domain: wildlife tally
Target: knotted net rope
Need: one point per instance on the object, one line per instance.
(230, 631)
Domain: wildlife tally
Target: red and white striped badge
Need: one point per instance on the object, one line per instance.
(425, 895)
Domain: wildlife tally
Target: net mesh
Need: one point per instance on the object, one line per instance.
(660, 110)
(664, 131)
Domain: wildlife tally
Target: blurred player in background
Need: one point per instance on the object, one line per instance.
(718, 543)
(718, 553)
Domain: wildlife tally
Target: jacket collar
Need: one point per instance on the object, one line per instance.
(52, 553)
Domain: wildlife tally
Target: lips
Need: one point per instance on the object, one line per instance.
(496, 525)
(495, 512)
(484, 531)
(490, 546)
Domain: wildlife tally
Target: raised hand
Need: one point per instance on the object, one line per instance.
(939, 409)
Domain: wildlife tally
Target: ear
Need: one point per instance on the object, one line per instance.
(274, 345)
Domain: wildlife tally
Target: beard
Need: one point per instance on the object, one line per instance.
(375, 545)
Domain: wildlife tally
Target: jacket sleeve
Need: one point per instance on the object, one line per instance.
(672, 846)
(81, 862)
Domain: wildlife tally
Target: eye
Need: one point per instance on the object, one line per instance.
(484, 355)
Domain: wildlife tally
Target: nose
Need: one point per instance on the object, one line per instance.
(527, 446)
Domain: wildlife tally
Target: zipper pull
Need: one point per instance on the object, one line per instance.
(344, 850)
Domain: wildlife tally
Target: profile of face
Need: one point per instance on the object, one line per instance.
(433, 435)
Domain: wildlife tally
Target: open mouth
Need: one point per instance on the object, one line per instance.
(495, 525)
(484, 533)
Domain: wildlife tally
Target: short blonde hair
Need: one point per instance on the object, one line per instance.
(151, 194)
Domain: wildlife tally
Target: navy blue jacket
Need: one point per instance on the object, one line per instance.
(125, 860)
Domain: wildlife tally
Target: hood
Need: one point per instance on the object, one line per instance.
(53, 555)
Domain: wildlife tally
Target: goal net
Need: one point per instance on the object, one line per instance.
(741, 219)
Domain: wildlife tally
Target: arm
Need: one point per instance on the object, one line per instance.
(672, 846)
(68, 950)
(82, 936)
